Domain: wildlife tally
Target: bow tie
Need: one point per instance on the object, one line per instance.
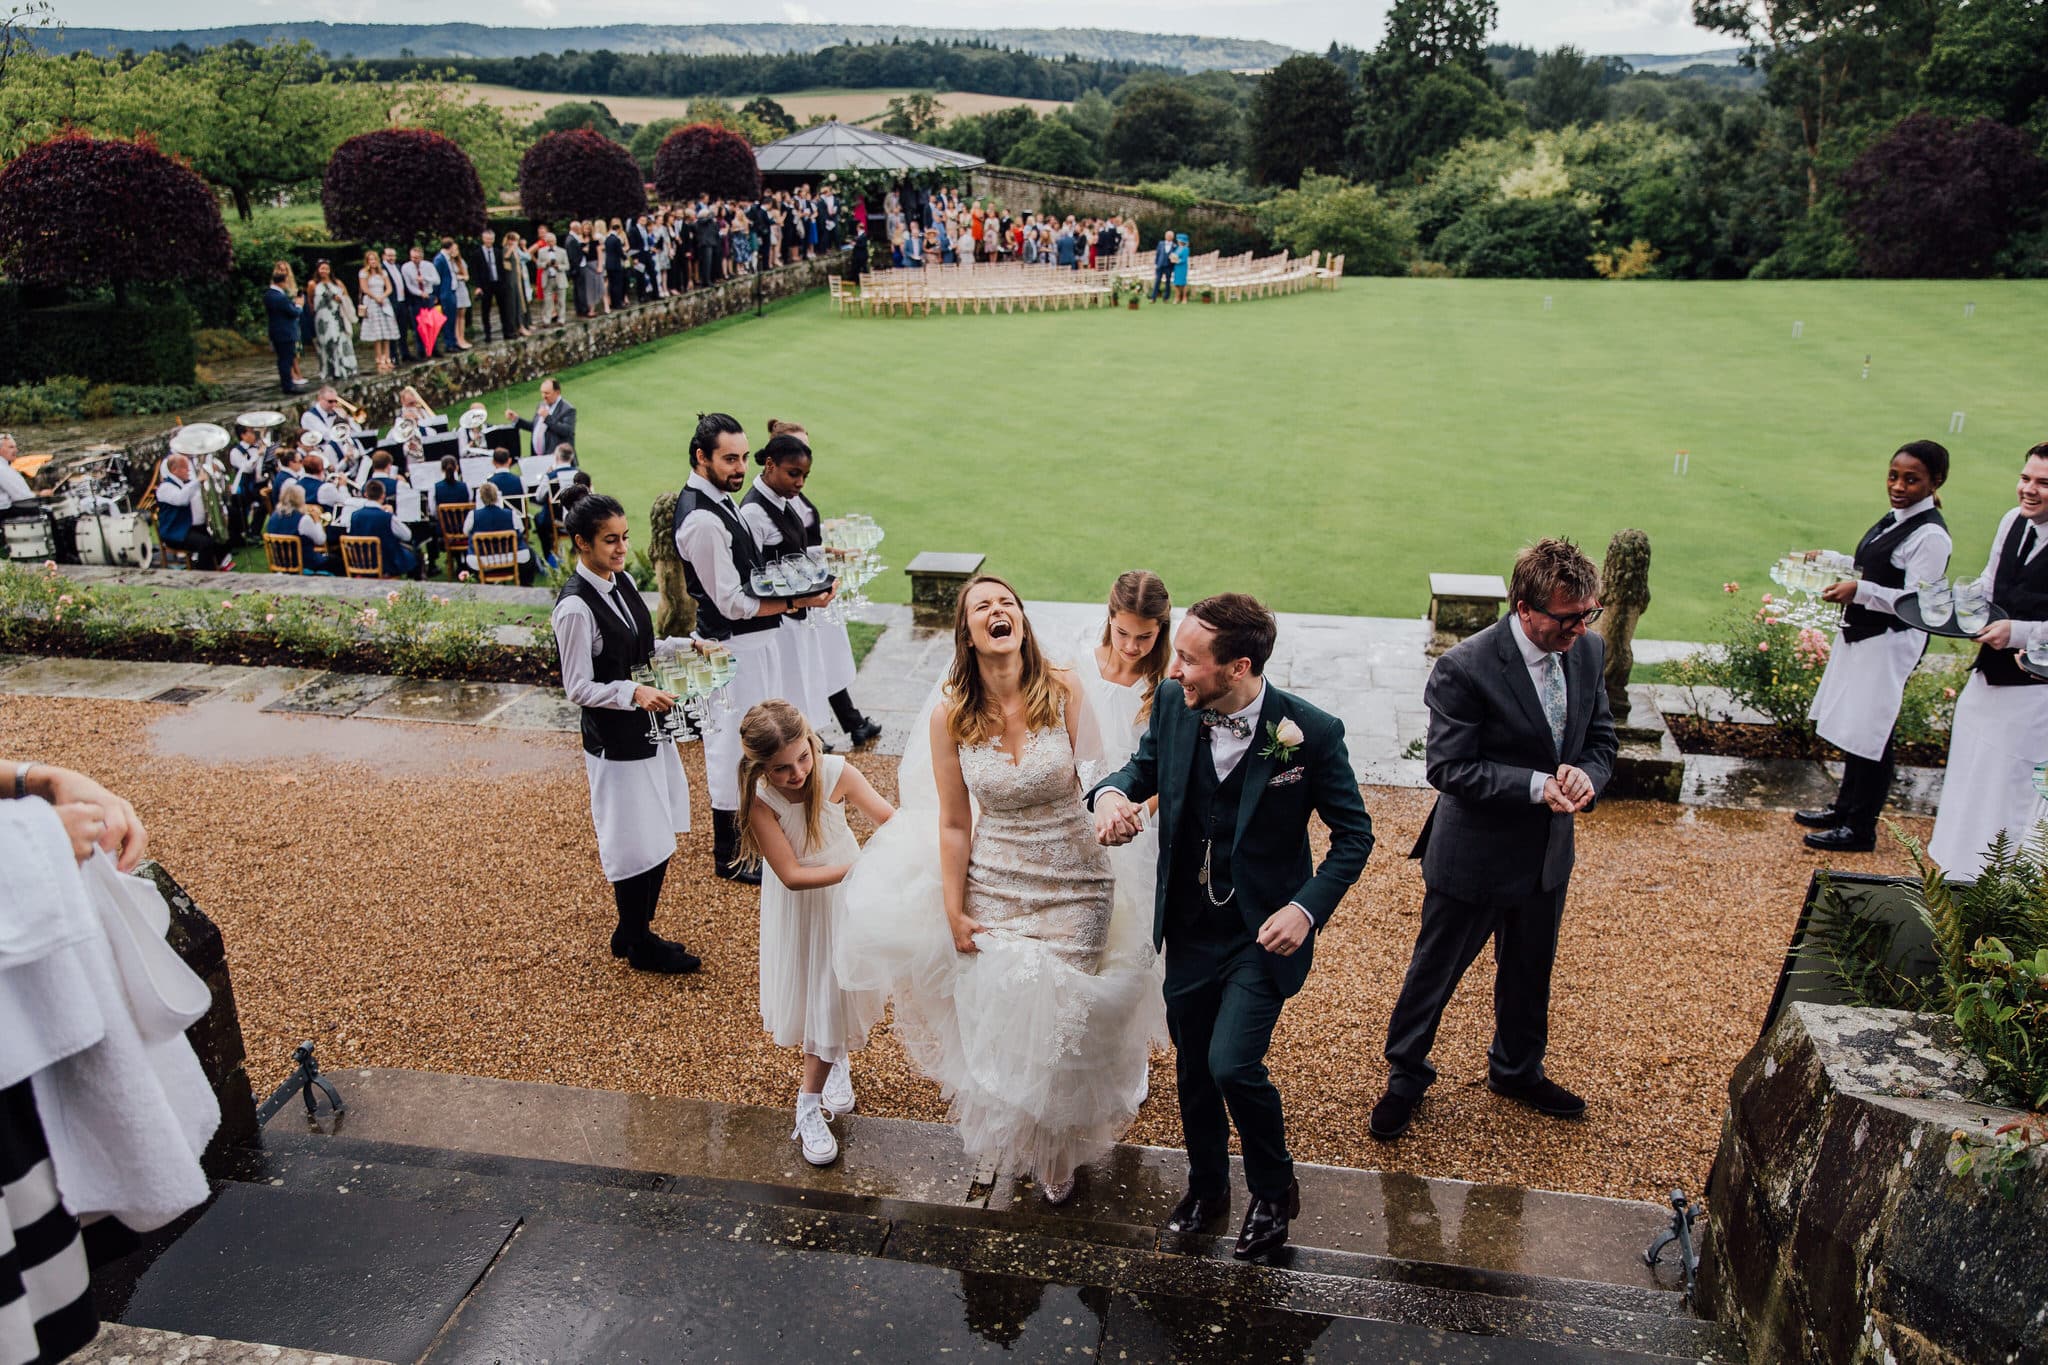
(1237, 725)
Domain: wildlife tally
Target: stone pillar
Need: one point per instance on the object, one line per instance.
(936, 579)
(217, 1037)
(1625, 592)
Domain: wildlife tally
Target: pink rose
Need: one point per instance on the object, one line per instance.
(1949, 692)
(1767, 599)
(269, 616)
(392, 597)
(369, 616)
(1731, 588)
(462, 577)
(1763, 646)
(65, 600)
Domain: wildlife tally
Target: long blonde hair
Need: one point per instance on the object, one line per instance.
(1142, 593)
(767, 729)
(972, 716)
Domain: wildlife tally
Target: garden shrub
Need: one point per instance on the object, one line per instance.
(68, 398)
(1524, 239)
(143, 342)
(401, 185)
(702, 158)
(580, 173)
(1338, 218)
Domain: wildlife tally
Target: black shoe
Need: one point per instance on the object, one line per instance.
(865, 732)
(652, 954)
(1198, 1212)
(1265, 1224)
(1546, 1097)
(625, 936)
(725, 849)
(734, 872)
(1817, 819)
(1842, 839)
(1391, 1116)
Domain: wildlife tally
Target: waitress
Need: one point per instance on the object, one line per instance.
(639, 797)
(2001, 725)
(818, 667)
(1874, 651)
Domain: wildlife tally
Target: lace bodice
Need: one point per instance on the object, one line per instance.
(1043, 776)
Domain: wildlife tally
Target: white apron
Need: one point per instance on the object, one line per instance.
(639, 806)
(2000, 734)
(817, 661)
(760, 678)
(1858, 700)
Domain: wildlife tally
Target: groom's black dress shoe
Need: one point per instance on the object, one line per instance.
(1546, 1097)
(1391, 1116)
(1265, 1224)
(1841, 839)
(1825, 818)
(1198, 1212)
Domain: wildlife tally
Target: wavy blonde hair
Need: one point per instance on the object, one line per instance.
(765, 731)
(1142, 593)
(972, 717)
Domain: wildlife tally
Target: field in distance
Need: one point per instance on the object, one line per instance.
(849, 106)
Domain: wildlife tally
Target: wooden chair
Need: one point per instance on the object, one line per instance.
(497, 556)
(175, 557)
(454, 542)
(362, 556)
(287, 554)
(843, 298)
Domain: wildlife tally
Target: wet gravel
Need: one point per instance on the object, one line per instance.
(441, 908)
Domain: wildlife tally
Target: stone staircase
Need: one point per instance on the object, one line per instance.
(447, 1218)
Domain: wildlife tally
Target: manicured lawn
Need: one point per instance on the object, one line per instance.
(1329, 451)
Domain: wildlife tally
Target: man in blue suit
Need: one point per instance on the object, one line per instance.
(282, 307)
(446, 263)
(1162, 264)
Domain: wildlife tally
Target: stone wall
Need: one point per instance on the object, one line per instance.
(453, 381)
(1837, 1231)
(1019, 191)
(217, 1037)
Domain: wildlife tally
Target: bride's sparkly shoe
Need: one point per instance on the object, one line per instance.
(1057, 1192)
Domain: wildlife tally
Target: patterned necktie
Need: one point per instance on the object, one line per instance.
(1237, 725)
(1553, 699)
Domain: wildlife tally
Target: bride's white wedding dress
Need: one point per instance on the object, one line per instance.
(1040, 1041)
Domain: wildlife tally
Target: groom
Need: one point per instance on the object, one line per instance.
(1237, 766)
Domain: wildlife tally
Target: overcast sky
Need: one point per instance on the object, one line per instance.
(1595, 25)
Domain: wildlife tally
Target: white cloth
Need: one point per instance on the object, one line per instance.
(14, 489)
(1121, 717)
(2000, 734)
(638, 806)
(758, 679)
(1857, 702)
(47, 1011)
(802, 1002)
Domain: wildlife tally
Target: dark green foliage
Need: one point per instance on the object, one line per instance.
(86, 211)
(1568, 87)
(1934, 197)
(70, 398)
(580, 173)
(1296, 122)
(1055, 148)
(1401, 130)
(1986, 62)
(647, 139)
(1520, 239)
(574, 114)
(142, 342)
(1161, 126)
(1859, 955)
(772, 115)
(401, 185)
(702, 158)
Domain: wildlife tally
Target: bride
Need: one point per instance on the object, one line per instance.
(1023, 983)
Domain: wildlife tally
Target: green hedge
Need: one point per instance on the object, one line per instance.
(142, 343)
(69, 399)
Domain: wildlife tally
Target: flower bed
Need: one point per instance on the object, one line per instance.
(1733, 739)
(411, 632)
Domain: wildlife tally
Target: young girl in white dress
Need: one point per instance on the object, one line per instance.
(1119, 673)
(794, 828)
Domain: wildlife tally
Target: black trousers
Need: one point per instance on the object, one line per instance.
(408, 334)
(240, 505)
(1221, 1005)
(637, 896)
(1524, 934)
(204, 549)
(487, 304)
(1866, 783)
(615, 286)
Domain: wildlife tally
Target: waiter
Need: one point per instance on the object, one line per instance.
(2001, 724)
(1874, 651)
(719, 558)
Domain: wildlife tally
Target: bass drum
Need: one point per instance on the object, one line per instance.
(30, 539)
(113, 538)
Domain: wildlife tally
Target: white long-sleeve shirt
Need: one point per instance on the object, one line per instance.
(422, 280)
(704, 540)
(14, 489)
(2023, 632)
(1923, 556)
(578, 641)
(178, 492)
(246, 460)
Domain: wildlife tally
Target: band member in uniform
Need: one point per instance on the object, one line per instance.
(719, 558)
(1874, 651)
(249, 457)
(639, 797)
(2001, 725)
(394, 537)
(181, 516)
(817, 659)
(292, 519)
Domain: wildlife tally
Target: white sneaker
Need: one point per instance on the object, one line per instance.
(819, 1146)
(838, 1093)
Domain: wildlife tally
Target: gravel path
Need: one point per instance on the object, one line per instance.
(443, 909)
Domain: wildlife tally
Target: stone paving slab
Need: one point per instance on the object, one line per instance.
(445, 702)
(119, 1344)
(111, 679)
(334, 694)
(541, 708)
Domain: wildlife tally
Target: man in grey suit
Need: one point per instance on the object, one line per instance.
(554, 422)
(1520, 741)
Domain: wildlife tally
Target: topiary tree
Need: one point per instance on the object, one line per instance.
(401, 185)
(107, 212)
(705, 159)
(580, 173)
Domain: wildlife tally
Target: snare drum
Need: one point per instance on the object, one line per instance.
(114, 538)
(30, 538)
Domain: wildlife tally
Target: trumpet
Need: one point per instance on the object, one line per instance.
(355, 412)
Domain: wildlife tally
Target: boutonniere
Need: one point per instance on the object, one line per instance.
(1283, 737)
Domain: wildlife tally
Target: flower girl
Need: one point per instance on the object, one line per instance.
(794, 828)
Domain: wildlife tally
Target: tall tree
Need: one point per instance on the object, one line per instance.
(1986, 61)
(1165, 124)
(1297, 119)
(1936, 198)
(571, 114)
(1568, 87)
(1426, 87)
(1055, 148)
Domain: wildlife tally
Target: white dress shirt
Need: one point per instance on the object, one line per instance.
(2023, 632)
(1923, 555)
(1227, 749)
(1534, 657)
(704, 540)
(176, 492)
(246, 461)
(579, 641)
(14, 489)
(422, 281)
(766, 532)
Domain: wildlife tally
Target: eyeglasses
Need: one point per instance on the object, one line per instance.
(1573, 620)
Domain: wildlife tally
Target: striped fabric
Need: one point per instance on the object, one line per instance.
(46, 1308)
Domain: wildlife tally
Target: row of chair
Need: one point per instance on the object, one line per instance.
(497, 552)
(1010, 288)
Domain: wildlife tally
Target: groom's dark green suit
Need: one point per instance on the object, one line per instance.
(1248, 829)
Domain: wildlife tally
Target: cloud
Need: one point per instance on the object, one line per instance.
(540, 9)
(798, 14)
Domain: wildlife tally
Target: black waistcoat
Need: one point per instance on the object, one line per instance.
(1874, 557)
(789, 523)
(618, 735)
(1208, 822)
(2021, 593)
(746, 557)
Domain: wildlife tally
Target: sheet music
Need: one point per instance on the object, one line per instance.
(533, 470)
(411, 506)
(476, 470)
